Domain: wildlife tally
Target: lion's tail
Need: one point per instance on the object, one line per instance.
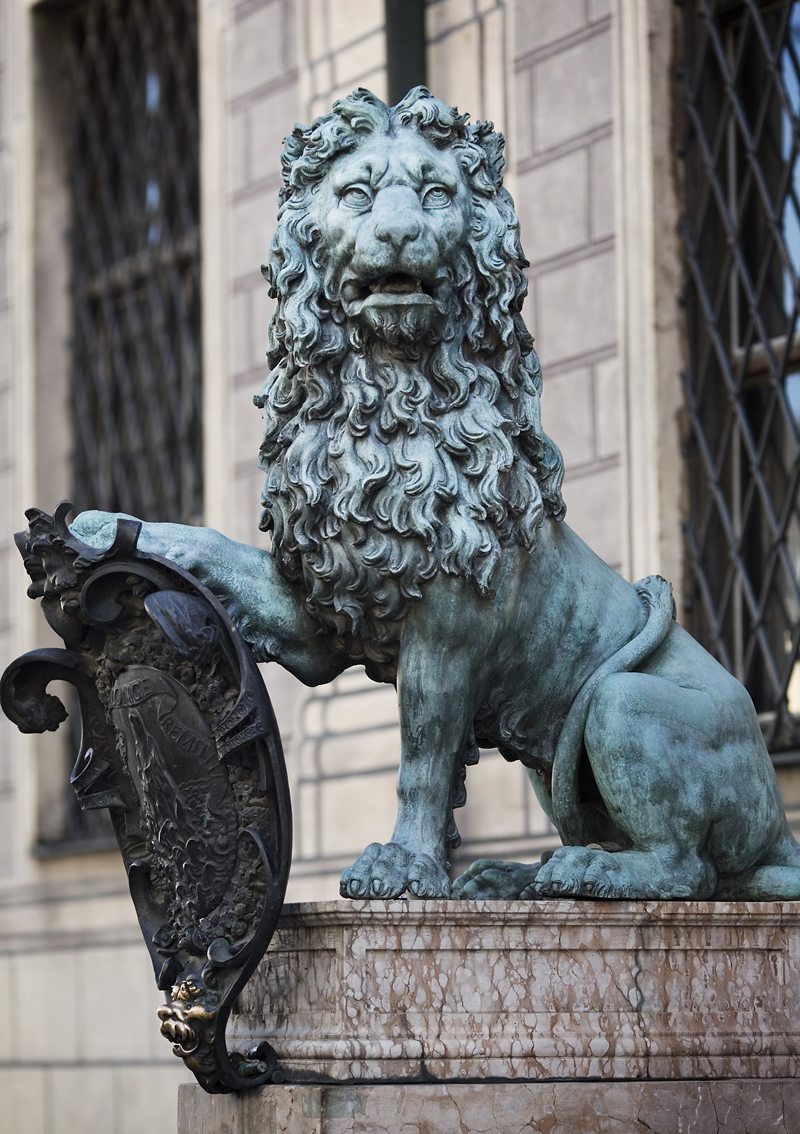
(656, 596)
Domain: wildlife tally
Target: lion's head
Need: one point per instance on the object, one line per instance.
(402, 429)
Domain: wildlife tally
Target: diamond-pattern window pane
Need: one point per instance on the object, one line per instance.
(741, 82)
(136, 377)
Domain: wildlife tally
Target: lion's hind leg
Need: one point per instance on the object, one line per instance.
(649, 745)
(777, 879)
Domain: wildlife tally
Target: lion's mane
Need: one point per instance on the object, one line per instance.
(380, 476)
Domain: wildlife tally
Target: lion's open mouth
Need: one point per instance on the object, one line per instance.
(398, 289)
(397, 284)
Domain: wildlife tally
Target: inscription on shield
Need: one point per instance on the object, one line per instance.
(187, 805)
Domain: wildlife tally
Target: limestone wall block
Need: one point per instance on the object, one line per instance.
(564, 108)
(577, 309)
(553, 204)
(542, 23)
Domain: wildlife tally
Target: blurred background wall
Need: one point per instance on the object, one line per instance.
(653, 156)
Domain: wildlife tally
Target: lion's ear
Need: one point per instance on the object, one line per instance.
(493, 144)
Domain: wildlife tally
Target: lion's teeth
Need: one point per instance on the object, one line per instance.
(395, 285)
(403, 285)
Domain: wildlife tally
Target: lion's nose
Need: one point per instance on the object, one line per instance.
(397, 227)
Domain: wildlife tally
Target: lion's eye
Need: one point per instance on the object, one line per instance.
(436, 197)
(357, 197)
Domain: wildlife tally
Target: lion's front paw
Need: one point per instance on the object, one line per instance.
(186, 545)
(387, 870)
(97, 529)
(426, 879)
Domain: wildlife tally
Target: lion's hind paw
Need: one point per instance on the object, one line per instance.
(582, 872)
(591, 872)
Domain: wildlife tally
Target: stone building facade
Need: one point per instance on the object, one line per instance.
(585, 92)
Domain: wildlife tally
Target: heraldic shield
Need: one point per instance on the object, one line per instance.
(180, 743)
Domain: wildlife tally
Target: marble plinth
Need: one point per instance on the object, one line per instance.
(731, 1107)
(410, 991)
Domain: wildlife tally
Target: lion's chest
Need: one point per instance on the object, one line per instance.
(519, 717)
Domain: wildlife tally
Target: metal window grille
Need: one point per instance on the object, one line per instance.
(135, 364)
(741, 83)
(133, 167)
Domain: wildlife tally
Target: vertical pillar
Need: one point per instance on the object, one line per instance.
(405, 46)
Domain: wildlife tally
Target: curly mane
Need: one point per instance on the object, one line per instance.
(381, 474)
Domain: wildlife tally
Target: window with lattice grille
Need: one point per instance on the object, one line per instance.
(135, 248)
(741, 82)
(129, 70)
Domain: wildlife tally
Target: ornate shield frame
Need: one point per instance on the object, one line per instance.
(180, 743)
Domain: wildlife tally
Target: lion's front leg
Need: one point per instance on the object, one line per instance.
(414, 859)
(269, 612)
(435, 689)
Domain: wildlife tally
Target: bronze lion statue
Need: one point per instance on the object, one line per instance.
(416, 519)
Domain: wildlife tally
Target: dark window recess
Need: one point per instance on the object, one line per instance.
(741, 81)
(135, 365)
(133, 166)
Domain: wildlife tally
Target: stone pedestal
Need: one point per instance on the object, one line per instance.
(552, 1016)
(751, 1106)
